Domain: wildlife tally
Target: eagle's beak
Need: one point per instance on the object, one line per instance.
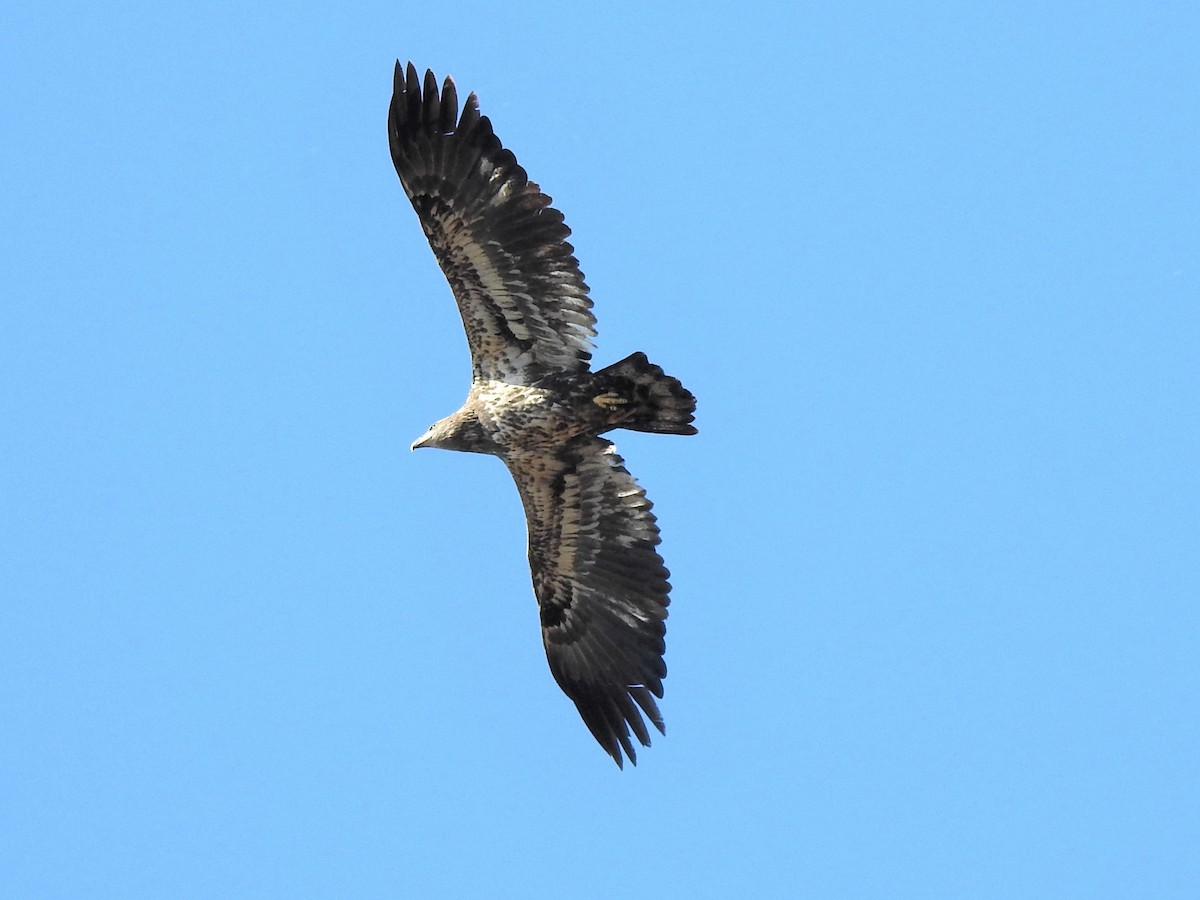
(419, 442)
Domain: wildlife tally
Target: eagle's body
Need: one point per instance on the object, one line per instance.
(522, 417)
(498, 417)
(534, 402)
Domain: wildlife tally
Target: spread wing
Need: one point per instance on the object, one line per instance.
(502, 246)
(601, 585)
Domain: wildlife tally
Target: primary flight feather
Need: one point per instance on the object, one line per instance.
(600, 583)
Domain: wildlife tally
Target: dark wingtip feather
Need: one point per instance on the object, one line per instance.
(610, 720)
(470, 113)
(412, 92)
(432, 101)
(644, 697)
(396, 108)
(449, 106)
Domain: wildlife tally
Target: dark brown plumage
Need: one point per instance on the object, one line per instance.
(601, 586)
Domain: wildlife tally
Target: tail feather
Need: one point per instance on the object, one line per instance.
(660, 403)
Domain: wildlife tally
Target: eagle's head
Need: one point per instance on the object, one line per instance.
(461, 431)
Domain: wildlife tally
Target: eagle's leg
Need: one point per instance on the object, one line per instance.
(610, 401)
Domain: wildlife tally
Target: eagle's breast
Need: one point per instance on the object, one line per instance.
(524, 417)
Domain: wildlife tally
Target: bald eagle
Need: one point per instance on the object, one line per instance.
(601, 586)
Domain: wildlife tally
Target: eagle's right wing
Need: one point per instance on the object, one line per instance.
(501, 245)
(601, 585)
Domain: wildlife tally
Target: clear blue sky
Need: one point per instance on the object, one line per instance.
(933, 272)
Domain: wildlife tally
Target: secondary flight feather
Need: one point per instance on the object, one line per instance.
(534, 402)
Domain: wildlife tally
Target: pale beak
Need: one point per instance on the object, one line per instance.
(419, 442)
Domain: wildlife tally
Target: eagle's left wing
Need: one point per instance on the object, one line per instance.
(500, 243)
(601, 585)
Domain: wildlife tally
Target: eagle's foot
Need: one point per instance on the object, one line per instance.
(610, 401)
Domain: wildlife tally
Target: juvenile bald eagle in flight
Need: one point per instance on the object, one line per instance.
(534, 402)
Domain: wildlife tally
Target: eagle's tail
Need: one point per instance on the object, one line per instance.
(661, 403)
